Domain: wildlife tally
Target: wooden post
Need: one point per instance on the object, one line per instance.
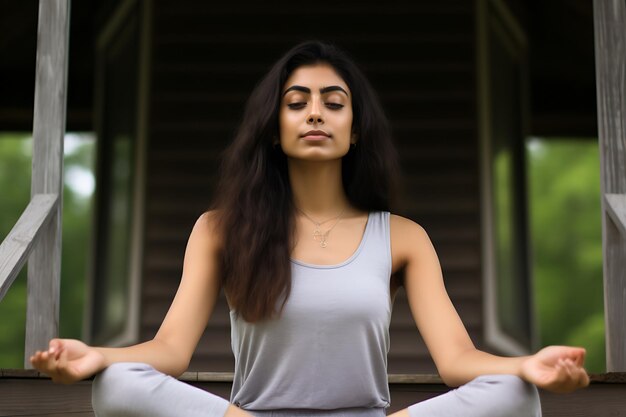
(610, 45)
(44, 264)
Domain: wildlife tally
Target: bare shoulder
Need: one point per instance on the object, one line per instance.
(206, 229)
(208, 219)
(405, 231)
(407, 239)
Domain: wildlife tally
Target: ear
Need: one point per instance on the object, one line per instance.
(354, 139)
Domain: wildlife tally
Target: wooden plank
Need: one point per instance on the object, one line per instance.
(18, 244)
(615, 205)
(595, 400)
(610, 46)
(42, 397)
(44, 268)
(617, 378)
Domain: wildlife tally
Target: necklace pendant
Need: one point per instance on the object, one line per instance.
(318, 236)
(324, 236)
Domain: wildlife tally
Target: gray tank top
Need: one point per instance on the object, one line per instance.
(329, 347)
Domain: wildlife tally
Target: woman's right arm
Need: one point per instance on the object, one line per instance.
(170, 351)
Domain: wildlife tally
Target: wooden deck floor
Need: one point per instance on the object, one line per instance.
(27, 393)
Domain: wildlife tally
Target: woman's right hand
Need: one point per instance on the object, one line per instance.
(68, 360)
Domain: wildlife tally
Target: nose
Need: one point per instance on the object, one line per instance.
(315, 116)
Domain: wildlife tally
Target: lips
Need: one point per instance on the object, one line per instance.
(316, 133)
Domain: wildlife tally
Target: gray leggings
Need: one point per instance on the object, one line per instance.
(136, 390)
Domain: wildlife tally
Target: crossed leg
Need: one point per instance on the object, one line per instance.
(131, 389)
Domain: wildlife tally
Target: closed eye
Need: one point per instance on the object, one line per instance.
(297, 106)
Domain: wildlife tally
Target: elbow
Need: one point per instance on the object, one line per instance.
(453, 371)
(450, 380)
(456, 363)
(174, 362)
(180, 366)
(178, 371)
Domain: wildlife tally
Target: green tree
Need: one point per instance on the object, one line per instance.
(564, 194)
(15, 173)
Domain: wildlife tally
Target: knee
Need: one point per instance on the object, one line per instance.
(512, 396)
(115, 389)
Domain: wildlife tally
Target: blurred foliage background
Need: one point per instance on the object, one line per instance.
(15, 174)
(564, 199)
(566, 236)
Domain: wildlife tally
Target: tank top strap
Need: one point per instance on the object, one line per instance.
(377, 246)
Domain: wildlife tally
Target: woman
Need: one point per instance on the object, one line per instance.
(301, 239)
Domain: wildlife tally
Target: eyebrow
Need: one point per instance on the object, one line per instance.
(322, 90)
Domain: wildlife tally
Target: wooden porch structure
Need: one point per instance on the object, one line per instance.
(37, 236)
(26, 393)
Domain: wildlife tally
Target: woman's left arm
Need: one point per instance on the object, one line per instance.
(555, 368)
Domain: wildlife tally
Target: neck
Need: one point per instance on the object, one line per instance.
(317, 187)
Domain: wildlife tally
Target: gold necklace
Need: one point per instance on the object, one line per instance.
(317, 233)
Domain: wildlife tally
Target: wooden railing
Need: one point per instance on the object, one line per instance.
(16, 247)
(37, 234)
(610, 46)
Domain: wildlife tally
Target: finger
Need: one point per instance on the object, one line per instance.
(579, 360)
(34, 358)
(58, 352)
(37, 361)
(562, 375)
(572, 375)
(54, 343)
(580, 378)
(580, 374)
(51, 365)
(40, 362)
(54, 346)
(62, 367)
(577, 354)
(585, 378)
(62, 360)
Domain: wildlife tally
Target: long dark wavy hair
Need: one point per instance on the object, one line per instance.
(253, 200)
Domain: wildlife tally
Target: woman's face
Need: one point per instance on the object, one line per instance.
(315, 98)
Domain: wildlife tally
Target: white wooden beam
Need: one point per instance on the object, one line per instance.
(44, 265)
(610, 48)
(18, 244)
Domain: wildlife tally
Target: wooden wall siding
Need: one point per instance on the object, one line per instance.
(419, 57)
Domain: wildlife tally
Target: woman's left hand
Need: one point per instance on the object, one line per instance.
(556, 368)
